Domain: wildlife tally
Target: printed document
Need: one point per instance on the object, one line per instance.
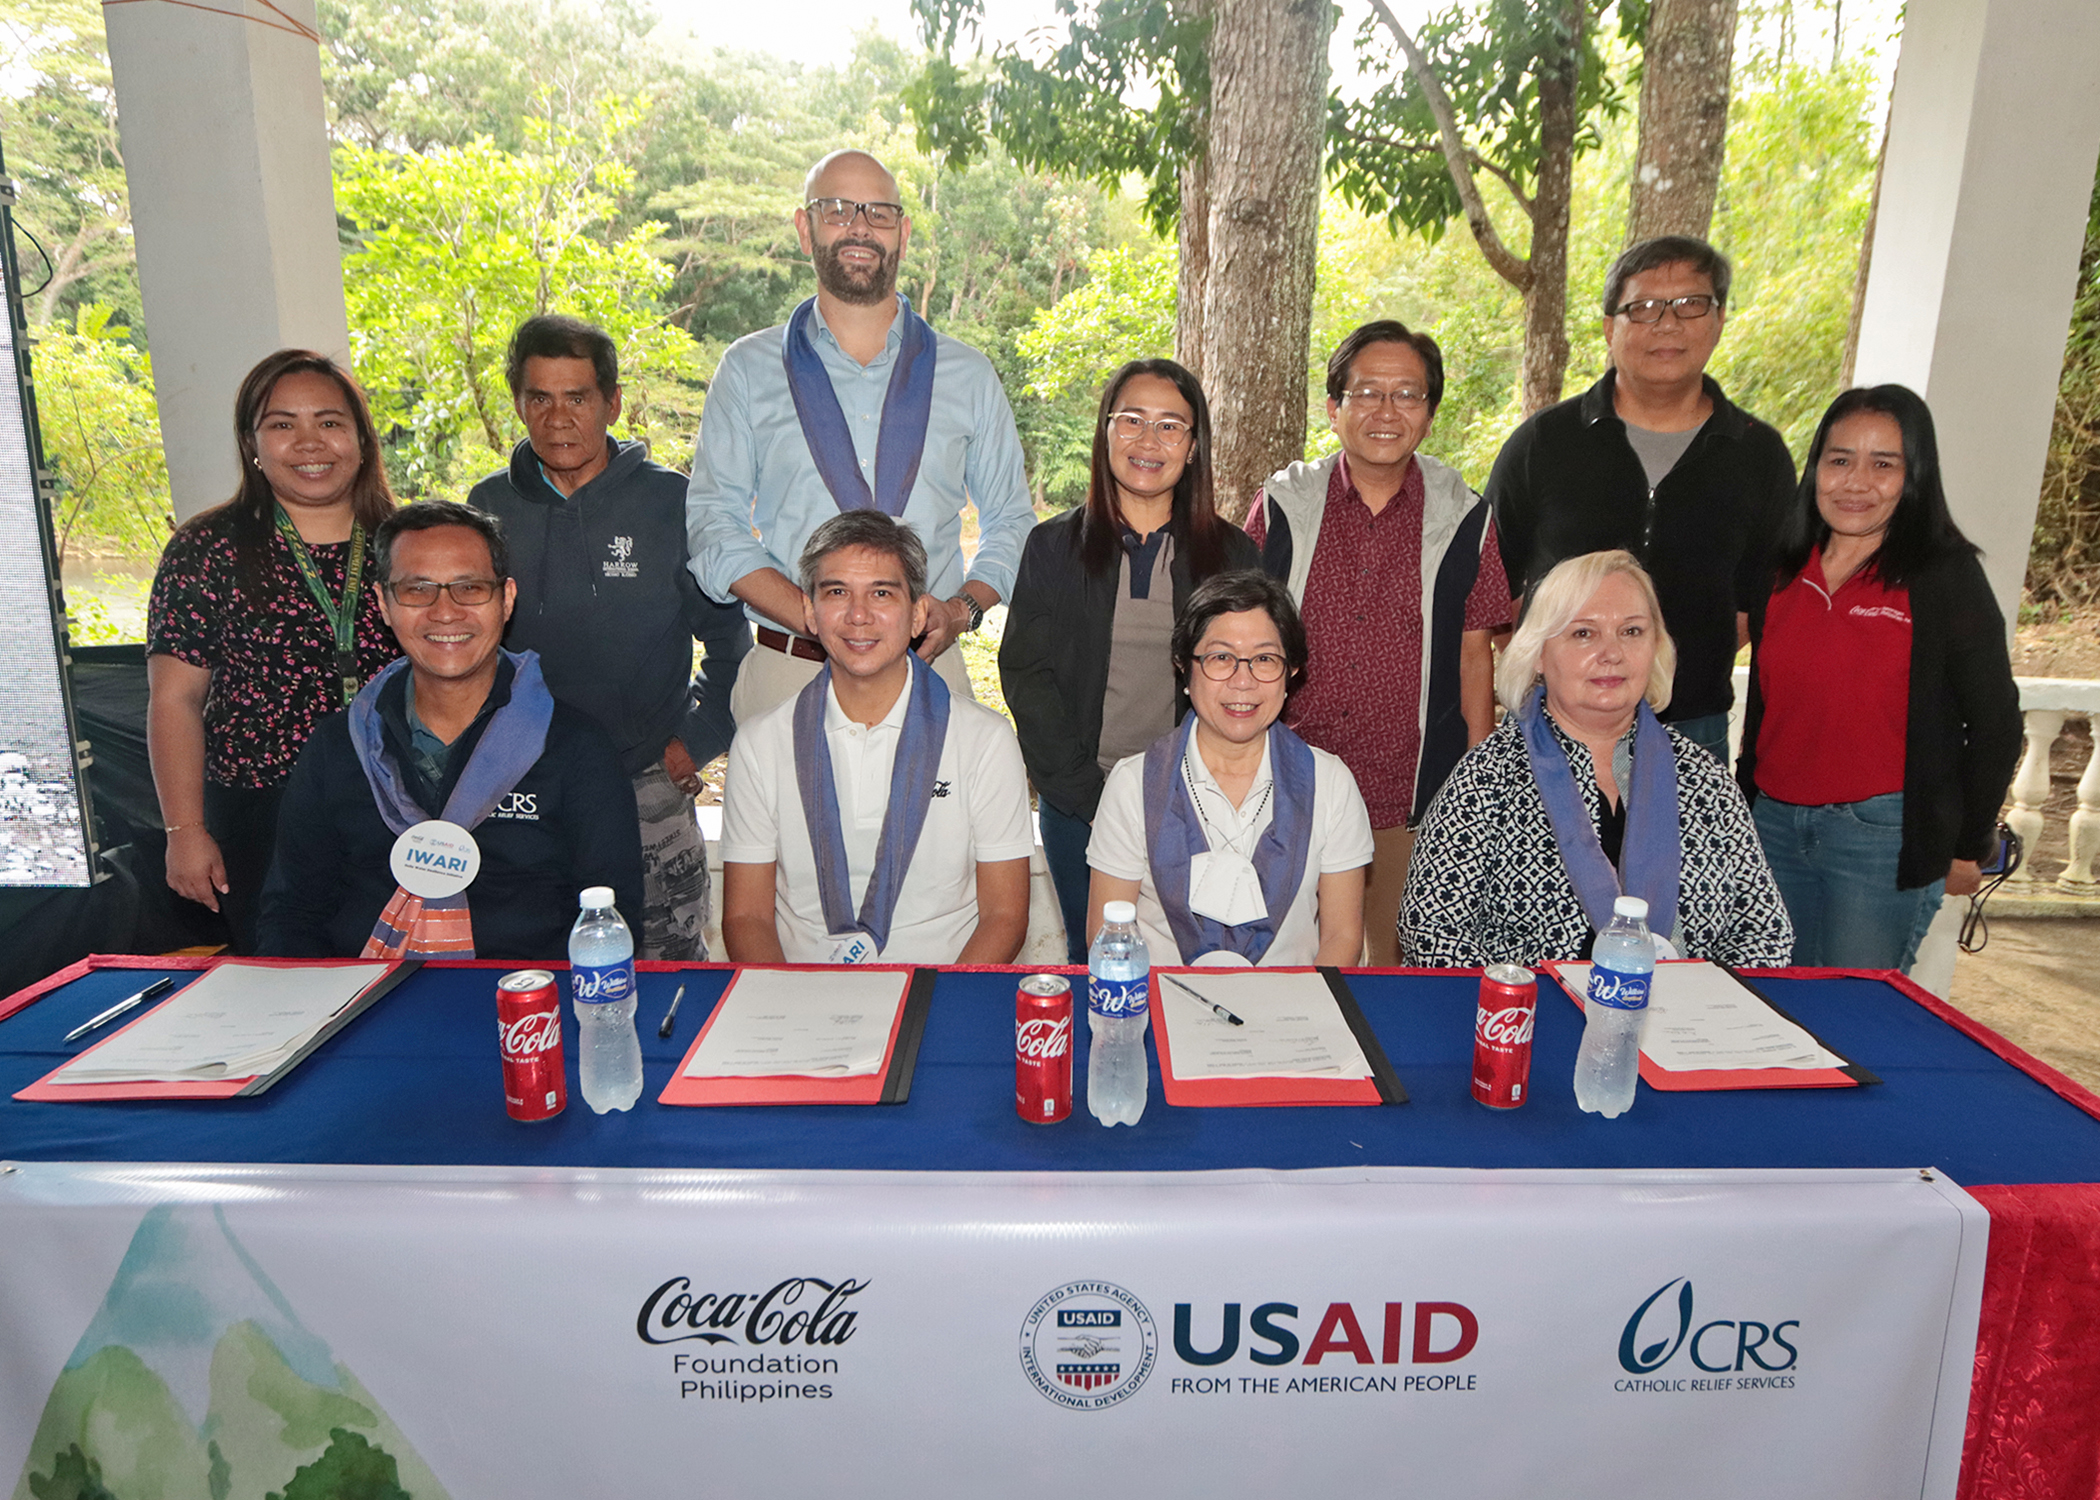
(1702, 1017)
(1293, 1027)
(804, 1023)
(238, 1021)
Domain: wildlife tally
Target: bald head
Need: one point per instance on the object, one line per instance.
(851, 174)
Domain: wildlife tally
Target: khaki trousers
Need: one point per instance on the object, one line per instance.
(767, 677)
(1391, 849)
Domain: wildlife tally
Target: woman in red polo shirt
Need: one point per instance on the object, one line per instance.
(1883, 724)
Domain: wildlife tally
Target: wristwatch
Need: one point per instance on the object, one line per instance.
(976, 610)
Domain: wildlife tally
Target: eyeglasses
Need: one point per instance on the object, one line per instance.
(1651, 309)
(421, 593)
(839, 213)
(1223, 666)
(1369, 397)
(1129, 426)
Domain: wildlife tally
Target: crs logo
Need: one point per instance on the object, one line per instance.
(521, 805)
(1750, 1338)
(1088, 1345)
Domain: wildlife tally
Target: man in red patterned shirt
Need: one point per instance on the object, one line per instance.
(1393, 562)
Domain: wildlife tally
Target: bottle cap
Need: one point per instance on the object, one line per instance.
(1119, 911)
(1623, 906)
(599, 897)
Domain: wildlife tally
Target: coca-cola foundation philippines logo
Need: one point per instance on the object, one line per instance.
(1088, 1345)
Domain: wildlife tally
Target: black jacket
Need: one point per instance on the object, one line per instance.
(1568, 482)
(569, 823)
(1962, 736)
(1053, 658)
(606, 599)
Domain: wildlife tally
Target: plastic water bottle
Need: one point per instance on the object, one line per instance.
(1118, 1004)
(1622, 965)
(601, 983)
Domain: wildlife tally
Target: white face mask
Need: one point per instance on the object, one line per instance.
(1224, 887)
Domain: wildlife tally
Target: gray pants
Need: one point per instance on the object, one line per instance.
(675, 890)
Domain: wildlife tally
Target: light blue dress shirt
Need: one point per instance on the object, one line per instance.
(752, 469)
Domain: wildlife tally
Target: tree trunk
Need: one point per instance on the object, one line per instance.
(1268, 98)
(1684, 117)
(1192, 231)
(1546, 298)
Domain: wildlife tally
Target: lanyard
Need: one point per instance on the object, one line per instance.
(341, 615)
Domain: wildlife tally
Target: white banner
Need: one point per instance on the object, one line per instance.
(226, 1333)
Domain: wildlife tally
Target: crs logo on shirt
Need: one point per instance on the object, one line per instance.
(523, 807)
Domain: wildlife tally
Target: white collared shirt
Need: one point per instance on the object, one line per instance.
(978, 815)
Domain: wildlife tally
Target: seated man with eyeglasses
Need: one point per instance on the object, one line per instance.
(1240, 843)
(1391, 559)
(1655, 460)
(454, 809)
(855, 403)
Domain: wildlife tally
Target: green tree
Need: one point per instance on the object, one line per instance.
(456, 247)
(73, 1476)
(2064, 566)
(349, 1469)
(102, 439)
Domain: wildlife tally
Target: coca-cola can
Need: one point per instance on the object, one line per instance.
(528, 1022)
(1043, 1049)
(1509, 1003)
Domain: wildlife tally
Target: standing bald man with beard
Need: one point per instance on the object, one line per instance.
(855, 403)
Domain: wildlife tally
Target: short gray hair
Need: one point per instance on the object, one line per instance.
(1667, 250)
(873, 530)
(1553, 605)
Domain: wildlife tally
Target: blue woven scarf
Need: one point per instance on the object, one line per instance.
(912, 777)
(906, 408)
(1174, 836)
(1652, 852)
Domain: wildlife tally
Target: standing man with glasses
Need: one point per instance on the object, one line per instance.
(1654, 459)
(1391, 559)
(525, 793)
(855, 403)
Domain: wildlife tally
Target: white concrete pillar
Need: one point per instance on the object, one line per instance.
(226, 152)
(1993, 134)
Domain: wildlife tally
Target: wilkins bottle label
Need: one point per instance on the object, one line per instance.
(602, 986)
(1619, 991)
(1118, 997)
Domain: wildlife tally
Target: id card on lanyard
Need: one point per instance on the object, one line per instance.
(341, 614)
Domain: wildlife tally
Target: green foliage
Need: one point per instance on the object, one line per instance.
(455, 247)
(350, 1469)
(2062, 568)
(1124, 311)
(73, 1476)
(61, 141)
(102, 438)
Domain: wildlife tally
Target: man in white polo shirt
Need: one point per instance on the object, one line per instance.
(874, 816)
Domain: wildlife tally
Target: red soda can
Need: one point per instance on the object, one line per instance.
(1043, 1049)
(1509, 1002)
(528, 1020)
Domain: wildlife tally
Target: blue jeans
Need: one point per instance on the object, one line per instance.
(1709, 732)
(1836, 868)
(1064, 850)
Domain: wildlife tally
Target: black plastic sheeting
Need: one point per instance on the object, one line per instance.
(133, 911)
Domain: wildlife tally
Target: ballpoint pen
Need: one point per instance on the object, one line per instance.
(119, 1008)
(672, 1014)
(1222, 1013)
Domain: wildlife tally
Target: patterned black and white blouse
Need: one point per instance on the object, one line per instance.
(1487, 885)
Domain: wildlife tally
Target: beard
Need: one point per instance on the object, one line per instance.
(851, 284)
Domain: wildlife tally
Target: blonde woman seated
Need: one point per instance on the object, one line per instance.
(1582, 795)
(1240, 843)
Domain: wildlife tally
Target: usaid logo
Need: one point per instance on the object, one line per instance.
(1653, 1337)
(1088, 1345)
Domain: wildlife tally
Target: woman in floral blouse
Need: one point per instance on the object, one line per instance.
(264, 618)
(1582, 796)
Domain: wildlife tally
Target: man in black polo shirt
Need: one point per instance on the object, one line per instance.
(1655, 459)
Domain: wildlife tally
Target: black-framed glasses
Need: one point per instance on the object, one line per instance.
(1370, 398)
(1129, 426)
(839, 213)
(1223, 666)
(1650, 309)
(421, 593)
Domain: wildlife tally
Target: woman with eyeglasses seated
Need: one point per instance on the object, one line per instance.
(1239, 842)
(1084, 662)
(1582, 795)
(264, 619)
